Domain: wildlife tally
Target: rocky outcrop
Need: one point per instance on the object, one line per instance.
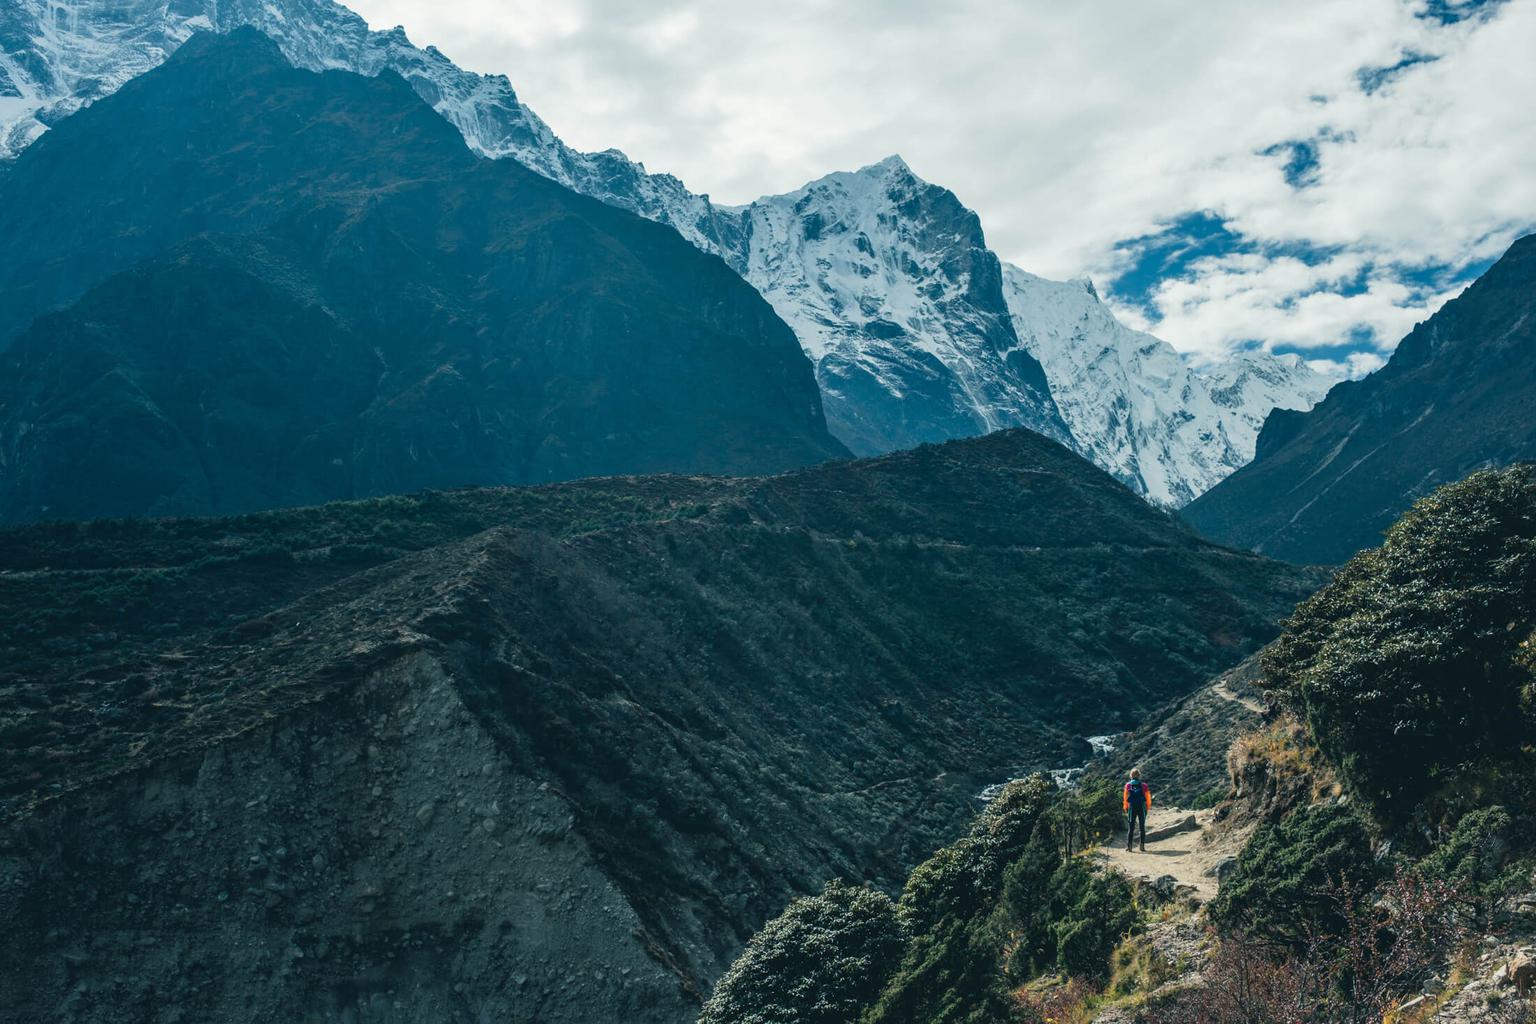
(893, 293)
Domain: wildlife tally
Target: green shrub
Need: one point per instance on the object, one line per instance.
(1483, 857)
(1084, 816)
(1091, 912)
(1287, 877)
(1025, 908)
(951, 883)
(1210, 798)
(958, 879)
(1476, 849)
(1408, 667)
(950, 976)
(822, 961)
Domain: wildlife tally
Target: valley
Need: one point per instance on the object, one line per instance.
(674, 702)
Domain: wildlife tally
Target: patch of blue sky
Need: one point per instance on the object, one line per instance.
(1185, 247)
(1371, 79)
(1170, 253)
(1449, 12)
(1173, 253)
(1301, 163)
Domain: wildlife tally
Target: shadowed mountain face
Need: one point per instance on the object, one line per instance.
(284, 287)
(1459, 394)
(554, 753)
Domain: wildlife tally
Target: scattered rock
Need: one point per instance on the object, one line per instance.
(1522, 973)
(1222, 869)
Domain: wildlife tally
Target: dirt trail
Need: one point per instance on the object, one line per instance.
(1224, 691)
(1190, 857)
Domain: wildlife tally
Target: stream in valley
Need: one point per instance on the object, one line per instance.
(1066, 778)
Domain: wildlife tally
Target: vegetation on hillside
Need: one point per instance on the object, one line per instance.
(1410, 680)
(819, 962)
(1012, 900)
(982, 571)
(1412, 668)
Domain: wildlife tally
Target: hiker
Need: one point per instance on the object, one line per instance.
(1136, 801)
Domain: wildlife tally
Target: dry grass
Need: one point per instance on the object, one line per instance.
(1283, 754)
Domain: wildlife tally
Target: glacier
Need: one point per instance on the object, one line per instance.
(917, 331)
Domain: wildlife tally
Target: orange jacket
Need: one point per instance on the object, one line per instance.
(1125, 796)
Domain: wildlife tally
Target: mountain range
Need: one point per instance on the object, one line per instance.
(917, 331)
(1458, 394)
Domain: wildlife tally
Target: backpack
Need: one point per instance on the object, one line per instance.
(1136, 793)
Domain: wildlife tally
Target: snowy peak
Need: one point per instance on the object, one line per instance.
(888, 283)
(1135, 406)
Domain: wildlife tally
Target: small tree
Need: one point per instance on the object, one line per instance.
(822, 961)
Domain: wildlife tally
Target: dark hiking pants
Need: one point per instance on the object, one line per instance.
(1137, 813)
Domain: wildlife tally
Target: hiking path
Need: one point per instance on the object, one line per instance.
(1180, 843)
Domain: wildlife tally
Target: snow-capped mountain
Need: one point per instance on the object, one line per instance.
(885, 278)
(59, 55)
(891, 289)
(1138, 408)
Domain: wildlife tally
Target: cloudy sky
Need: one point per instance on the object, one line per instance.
(1313, 175)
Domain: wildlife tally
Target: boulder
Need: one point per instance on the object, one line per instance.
(1186, 824)
(1222, 869)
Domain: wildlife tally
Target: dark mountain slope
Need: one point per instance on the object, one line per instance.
(378, 310)
(554, 752)
(1458, 394)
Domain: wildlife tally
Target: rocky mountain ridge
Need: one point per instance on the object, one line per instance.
(255, 316)
(1135, 406)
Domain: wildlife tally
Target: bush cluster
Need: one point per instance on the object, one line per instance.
(820, 962)
(1411, 669)
(1005, 903)
(1280, 887)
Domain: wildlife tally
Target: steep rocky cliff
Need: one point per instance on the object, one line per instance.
(1138, 408)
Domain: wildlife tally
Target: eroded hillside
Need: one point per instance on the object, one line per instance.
(554, 751)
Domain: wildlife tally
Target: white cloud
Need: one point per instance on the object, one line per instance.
(1355, 365)
(1284, 301)
(1071, 127)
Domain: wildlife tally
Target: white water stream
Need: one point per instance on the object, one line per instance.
(1066, 778)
